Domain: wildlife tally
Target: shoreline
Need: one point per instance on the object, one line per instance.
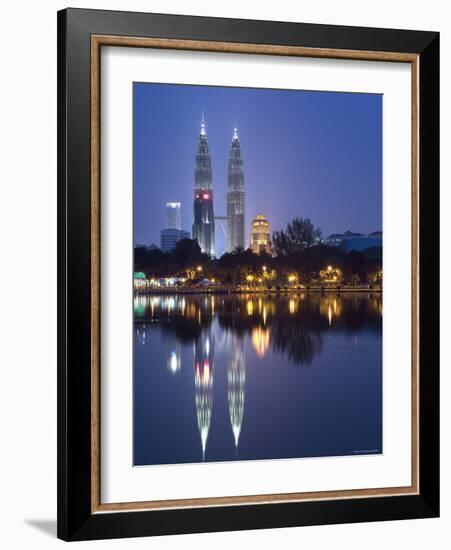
(313, 290)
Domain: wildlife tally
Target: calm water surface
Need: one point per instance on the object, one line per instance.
(248, 377)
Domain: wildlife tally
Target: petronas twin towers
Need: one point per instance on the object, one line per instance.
(204, 218)
(235, 196)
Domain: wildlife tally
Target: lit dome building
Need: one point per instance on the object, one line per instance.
(260, 235)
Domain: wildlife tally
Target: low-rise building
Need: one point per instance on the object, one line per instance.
(355, 241)
(360, 244)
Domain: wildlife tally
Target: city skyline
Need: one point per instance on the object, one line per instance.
(323, 146)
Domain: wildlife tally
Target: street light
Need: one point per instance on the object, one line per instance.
(199, 268)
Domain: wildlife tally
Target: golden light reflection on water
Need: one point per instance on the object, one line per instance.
(260, 340)
(331, 307)
(258, 307)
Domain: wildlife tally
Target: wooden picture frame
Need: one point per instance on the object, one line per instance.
(81, 35)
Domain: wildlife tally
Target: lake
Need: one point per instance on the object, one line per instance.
(256, 376)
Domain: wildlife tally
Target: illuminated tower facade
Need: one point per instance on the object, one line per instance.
(235, 196)
(204, 218)
(260, 235)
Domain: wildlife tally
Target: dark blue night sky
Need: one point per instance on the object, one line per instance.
(312, 154)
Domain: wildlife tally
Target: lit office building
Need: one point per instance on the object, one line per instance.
(173, 215)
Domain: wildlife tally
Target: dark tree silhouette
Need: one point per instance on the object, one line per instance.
(299, 235)
(187, 253)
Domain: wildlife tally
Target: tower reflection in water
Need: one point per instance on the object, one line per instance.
(174, 358)
(203, 383)
(260, 340)
(204, 349)
(291, 326)
(236, 386)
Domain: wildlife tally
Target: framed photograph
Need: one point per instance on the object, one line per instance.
(248, 274)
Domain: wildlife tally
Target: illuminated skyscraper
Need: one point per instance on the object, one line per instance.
(204, 218)
(172, 234)
(235, 196)
(173, 215)
(260, 235)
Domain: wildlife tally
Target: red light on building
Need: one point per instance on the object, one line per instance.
(206, 196)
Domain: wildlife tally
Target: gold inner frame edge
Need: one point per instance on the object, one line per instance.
(97, 41)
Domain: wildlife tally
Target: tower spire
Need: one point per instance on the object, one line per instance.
(202, 125)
